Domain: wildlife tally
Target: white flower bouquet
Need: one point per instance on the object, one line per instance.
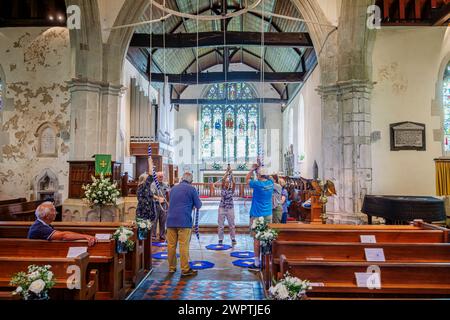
(123, 241)
(262, 231)
(143, 224)
(143, 227)
(34, 284)
(267, 237)
(289, 288)
(101, 192)
(259, 225)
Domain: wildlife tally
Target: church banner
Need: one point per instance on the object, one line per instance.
(103, 164)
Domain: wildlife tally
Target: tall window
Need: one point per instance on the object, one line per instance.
(446, 96)
(1, 92)
(229, 132)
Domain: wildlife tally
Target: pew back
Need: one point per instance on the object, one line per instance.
(102, 257)
(62, 269)
(137, 262)
(338, 278)
(393, 252)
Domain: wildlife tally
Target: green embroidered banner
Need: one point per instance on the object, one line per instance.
(103, 164)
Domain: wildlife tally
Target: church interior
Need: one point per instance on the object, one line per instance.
(343, 104)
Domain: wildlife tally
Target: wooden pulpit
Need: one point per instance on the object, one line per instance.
(81, 172)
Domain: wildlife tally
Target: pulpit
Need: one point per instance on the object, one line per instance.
(81, 172)
(140, 151)
(75, 209)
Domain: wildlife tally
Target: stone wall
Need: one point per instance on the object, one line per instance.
(38, 66)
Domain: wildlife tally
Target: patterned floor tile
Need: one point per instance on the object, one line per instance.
(223, 282)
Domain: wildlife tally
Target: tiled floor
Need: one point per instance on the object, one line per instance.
(209, 211)
(223, 282)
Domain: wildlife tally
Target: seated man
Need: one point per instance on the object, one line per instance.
(42, 230)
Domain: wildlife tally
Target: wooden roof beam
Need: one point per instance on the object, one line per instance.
(225, 101)
(216, 39)
(237, 76)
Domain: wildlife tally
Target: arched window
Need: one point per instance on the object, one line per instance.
(446, 104)
(229, 132)
(1, 90)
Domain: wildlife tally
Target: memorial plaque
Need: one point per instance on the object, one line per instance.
(407, 136)
(47, 142)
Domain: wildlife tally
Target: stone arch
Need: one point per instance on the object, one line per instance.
(86, 42)
(119, 40)
(439, 98)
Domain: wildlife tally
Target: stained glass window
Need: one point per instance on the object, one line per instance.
(446, 96)
(229, 131)
(1, 94)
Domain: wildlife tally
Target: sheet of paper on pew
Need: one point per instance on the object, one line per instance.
(76, 251)
(317, 284)
(368, 239)
(375, 254)
(103, 236)
(369, 280)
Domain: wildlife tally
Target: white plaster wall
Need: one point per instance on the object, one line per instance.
(37, 64)
(311, 133)
(406, 63)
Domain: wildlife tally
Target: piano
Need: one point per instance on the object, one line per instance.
(402, 209)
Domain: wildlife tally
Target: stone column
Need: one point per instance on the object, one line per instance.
(346, 146)
(94, 118)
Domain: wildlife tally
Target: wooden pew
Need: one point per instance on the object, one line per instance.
(102, 257)
(138, 262)
(337, 279)
(355, 252)
(12, 201)
(383, 234)
(393, 252)
(23, 211)
(15, 262)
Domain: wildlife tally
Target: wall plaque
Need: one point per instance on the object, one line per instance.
(407, 136)
(47, 143)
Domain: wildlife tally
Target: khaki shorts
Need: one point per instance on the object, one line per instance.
(268, 219)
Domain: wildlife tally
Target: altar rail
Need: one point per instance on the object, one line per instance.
(207, 190)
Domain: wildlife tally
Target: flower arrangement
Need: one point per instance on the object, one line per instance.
(263, 233)
(123, 241)
(289, 288)
(143, 225)
(35, 284)
(216, 166)
(242, 167)
(101, 192)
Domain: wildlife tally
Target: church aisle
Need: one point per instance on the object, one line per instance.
(223, 282)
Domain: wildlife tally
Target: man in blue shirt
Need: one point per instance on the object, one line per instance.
(42, 229)
(183, 198)
(262, 187)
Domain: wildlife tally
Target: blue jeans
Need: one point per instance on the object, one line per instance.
(284, 217)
